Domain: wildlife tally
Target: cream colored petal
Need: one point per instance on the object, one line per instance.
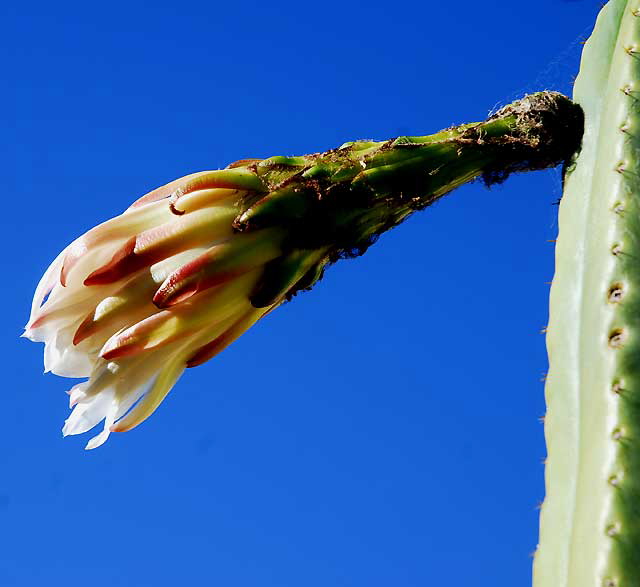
(88, 412)
(162, 385)
(186, 319)
(46, 284)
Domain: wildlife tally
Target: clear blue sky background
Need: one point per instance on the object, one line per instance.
(381, 430)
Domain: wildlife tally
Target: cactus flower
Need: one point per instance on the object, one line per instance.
(189, 267)
(122, 307)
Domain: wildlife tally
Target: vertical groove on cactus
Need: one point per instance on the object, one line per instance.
(590, 520)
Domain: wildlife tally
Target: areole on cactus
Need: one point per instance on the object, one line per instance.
(189, 267)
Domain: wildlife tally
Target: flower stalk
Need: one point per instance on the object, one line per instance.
(342, 200)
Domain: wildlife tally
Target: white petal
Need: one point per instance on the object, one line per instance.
(62, 358)
(110, 418)
(77, 392)
(46, 283)
(73, 364)
(89, 260)
(162, 385)
(88, 412)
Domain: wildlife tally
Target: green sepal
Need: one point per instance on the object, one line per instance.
(279, 160)
(279, 208)
(239, 178)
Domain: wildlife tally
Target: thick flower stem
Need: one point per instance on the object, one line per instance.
(340, 201)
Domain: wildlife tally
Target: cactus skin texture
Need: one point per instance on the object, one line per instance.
(590, 520)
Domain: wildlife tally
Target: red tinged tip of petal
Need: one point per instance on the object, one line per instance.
(85, 330)
(166, 301)
(184, 293)
(74, 254)
(135, 339)
(190, 183)
(122, 351)
(211, 349)
(38, 322)
(122, 264)
(218, 344)
(123, 346)
(154, 196)
(162, 192)
(189, 280)
(64, 271)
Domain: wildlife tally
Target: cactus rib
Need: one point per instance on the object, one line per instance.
(590, 520)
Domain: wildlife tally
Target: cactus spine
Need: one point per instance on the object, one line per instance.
(590, 520)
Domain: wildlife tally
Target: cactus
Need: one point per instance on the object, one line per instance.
(590, 519)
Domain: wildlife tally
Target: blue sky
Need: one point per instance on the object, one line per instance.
(380, 430)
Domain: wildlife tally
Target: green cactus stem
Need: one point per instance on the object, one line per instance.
(590, 520)
(335, 204)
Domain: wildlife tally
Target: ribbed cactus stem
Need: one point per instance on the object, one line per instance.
(590, 520)
(335, 204)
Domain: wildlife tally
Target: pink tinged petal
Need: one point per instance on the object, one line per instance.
(140, 337)
(164, 191)
(113, 232)
(70, 306)
(130, 304)
(219, 264)
(59, 312)
(236, 179)
(194, 277)
(122, 264)
(226, 301)
(75, 252)
(46, 284)
(183, 232)
(163, 383)
(221, 342)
